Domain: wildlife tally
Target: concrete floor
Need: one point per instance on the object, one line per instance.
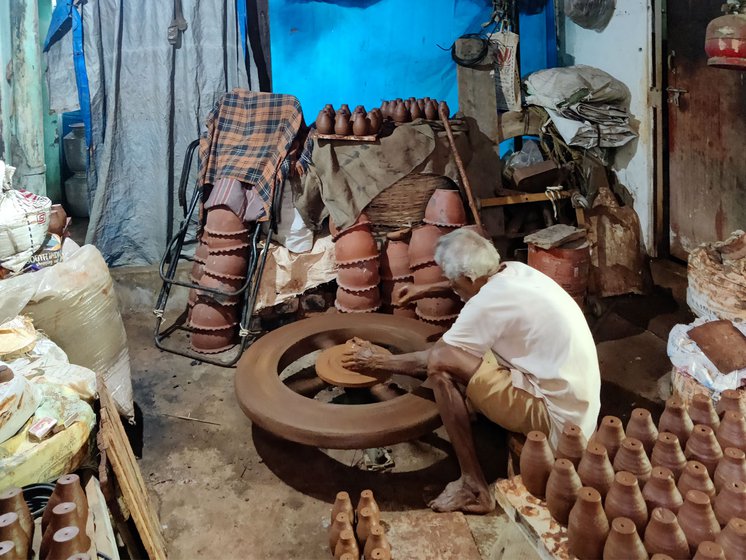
(225, 489)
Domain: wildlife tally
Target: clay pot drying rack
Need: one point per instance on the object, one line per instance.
(247, 293)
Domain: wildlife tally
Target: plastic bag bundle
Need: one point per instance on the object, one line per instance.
(590, 14)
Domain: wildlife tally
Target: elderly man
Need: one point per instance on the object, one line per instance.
(520, 347)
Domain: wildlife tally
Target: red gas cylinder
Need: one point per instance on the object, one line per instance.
(568, 265)
(725, 42)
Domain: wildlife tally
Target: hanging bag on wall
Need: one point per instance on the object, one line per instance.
(590, 14)
(507, 78)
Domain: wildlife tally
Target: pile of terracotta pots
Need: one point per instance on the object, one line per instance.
(344, 123)
(677, 489)
(357, 256)
(356, 532)
(407, 110)
(395, 274)
(220, 263)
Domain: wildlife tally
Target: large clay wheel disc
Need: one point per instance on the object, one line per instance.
(274, 406)
(329, 368)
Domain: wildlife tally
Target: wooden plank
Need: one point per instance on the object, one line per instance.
(476, 88)
(351, 138)
(519, 199)
(102, 530)
(554, 236)
(427, 535)
(660, 239)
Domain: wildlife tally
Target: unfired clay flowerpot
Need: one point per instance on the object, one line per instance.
(667, 453)
(536, 463)
(374, 121)
(359, 277)
(342, 124)
(571, 444)
(445, 208)
(380, 554)
(732, 430)
(664, 535)
(431, 110)
(11, 530)
(358, 302)
(695, 477)
(67, 489)
(428, 274)
(595, 470)
(346, 544)
(367, 500)
(401, 113)
(341, 523)
(731, 399)
(624, 542)
(376, 540)
(642, 427)
(422, 244)
(223, 286)
(226, 243)
(675, 419)
(68, 541)
(395, 261)
(209, 315)
(562, 491)
(213, 342)
(702, 411)
(355, 247)
(343, 504)
(631, 458)
(361, 222)
(11, 500)
(731, 467)
(587, 526)
(703, 447)
(391, 287)
(360, 125)
(709, 550)
(731, 502)
(625, 500)
(221, 220)
(8, 551)
(438, 308)
(365, 522)
(324, 123)
(661, 491)
(228, 264)
(697, 519)
(733, 539)
(610, 434)
(63, 515)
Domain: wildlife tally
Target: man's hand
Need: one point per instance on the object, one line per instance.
(362, 357)
(404, 295)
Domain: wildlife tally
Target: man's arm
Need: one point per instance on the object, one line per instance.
(457, 363)
(411, 292)
(364, 358)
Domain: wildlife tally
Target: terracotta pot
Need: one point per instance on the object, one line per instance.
(367, 500)
(587, 526)
(401, 113)
(431, 110)
(324, 123)
(374, 119)
(360, 109)
(732, 430)
(675, 419)
(360, 125)
(536, 463)
(67, 489)
(228, 264)
(391, 287)
(11, 530)
(625, 500)
(343, 504)
(202, 251)
(571, 444)
(409, 311)
(365, 522)
(416, 111)
(395, 261)
(702, 411)
(434, 309)
(355, 247)
(221, 220)
(212, 342)
(224, 285)
(428, 274)
(709, 550)
(667, 453)
(731, 399)
(380, 554)
(731, 502)
(661, 491)
(225, 243)
(731, 467)
(342, 124)
(376, 540)
(624, 542)
(346, 545)
(341, 523)
(208, 315)
(595, 470)
(733, 539)
(362, 222)
(695, 477)
(198, 269)
(344, 108)
(610, 434)
(445, 208)
(68, 541)
(702, 446)
(57, 220)
(63, 515)
(562, 490)
(697, 519)
(359, 277)
(385, 109)
(8, 551)
(631, 458)
(12, 501)
(664, 535)
(358, 302)
(642, 427)
(443, 107)
(422, 244)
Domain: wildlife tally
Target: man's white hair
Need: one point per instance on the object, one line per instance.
(466, 253)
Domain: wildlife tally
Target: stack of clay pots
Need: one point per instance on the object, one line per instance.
(395, 274)
(357, 256)
(677, 489)
(402, 111)
(444, 213)
(344, 123)
(63, 522)
(356, 531)
(221, 263)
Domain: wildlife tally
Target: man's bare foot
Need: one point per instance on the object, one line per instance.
(464, 495)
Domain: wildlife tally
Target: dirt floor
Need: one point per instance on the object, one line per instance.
(225, 489)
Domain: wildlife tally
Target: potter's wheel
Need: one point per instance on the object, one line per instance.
(330, 369)
(329, 406)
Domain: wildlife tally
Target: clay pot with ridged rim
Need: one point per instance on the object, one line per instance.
(221, 220)
(695, 477)
(697, 519)
(536, 463)
(732, 430)
(571, 444)
(667, 453)
(395, 261)
(428, 274)
(641, 426)
(445, 208)
(11, 500)
(343, 504)
(610, 434)
(595, 470)
(361, 222)
(730, 502)
(731, 467)
(66, 489)
(733, 539)
(355, 247)
(623, 542)
(11, 530)
(228, 264)
(587, 526)
(731, 399)
(631, 458)
(675, 419)
(213, 341)
(702, 446)
(702, 411)
(563, 487)
(208, 315)
(226, 243)
(63, 515)
(376, 540)
(664, 535)
(422, 244)
(709, 550)
(224, 285)
(437, 308)
(661, 491)
(358, 302)
(359, 277)
(625, 500)
(391, 287)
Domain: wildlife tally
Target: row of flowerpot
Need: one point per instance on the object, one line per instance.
(344, 123)
(356, 531)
